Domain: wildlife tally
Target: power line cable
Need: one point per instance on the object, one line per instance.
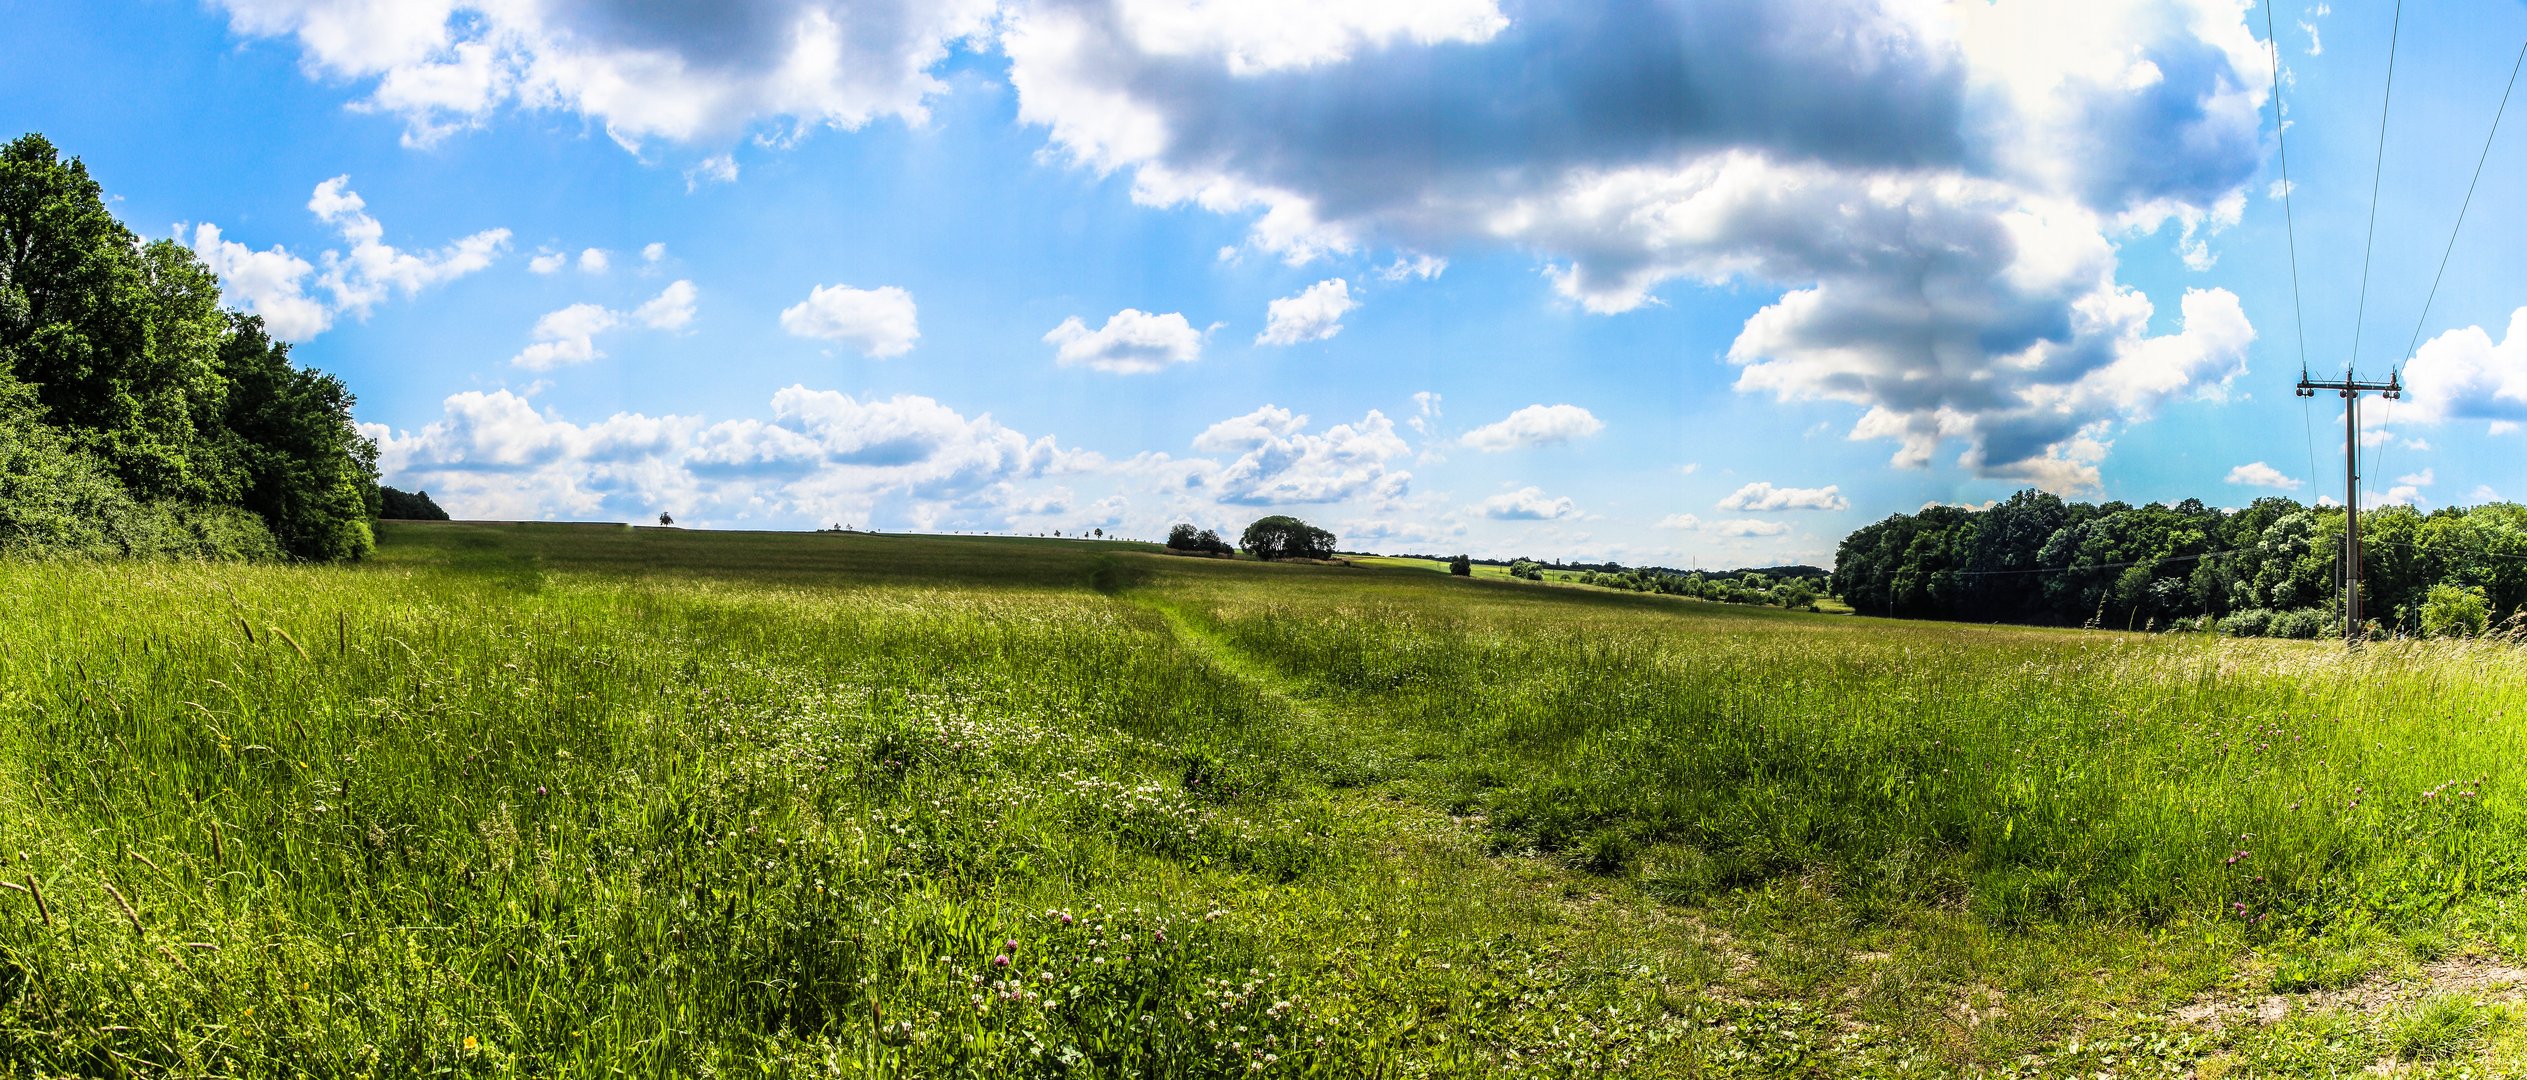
(2451, 247)
(2290, 226)
(2361, 311)
(2290, 221)
(2485, 156)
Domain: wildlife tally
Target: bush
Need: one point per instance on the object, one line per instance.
(1461, 566)
(2246, 622)
(2303, 624)
(57, 502)
(1525, 570)
(2455, 611)
(1282, 537)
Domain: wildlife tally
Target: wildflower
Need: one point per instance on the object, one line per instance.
(1000, 961)
(472, 1044)
(1010, 945)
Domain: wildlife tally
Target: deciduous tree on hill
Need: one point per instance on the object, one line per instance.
(1282, 537)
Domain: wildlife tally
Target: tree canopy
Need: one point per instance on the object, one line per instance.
(394, 505)
(2270, 567)
(1282, 537)
(1184, 537)
(127, 360)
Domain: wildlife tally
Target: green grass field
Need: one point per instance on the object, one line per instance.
(578, 800)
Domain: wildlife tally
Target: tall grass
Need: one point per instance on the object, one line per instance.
(574, 801)
(2038, 774)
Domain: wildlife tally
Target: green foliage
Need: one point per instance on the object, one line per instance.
(1525, 570)
(1282, 537)
(1461, 566)
(125, 352)
(2455, 611)
(59, 501)
(1185, 537)
(2034, 558)
(394, 505)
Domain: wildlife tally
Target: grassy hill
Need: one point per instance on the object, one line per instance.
(571, 800)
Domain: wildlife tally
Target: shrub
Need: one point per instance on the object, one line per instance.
(1525, 570)
(59, 502)
(2303, 623)
(2246, 622)
(1461, 566)
(2455, 611)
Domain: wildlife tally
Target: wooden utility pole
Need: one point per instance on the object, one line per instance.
(2351, 389)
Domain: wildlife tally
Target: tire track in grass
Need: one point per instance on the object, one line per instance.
(1410, 831)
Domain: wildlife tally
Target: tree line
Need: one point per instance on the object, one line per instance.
(140, 417)
(2271, 568)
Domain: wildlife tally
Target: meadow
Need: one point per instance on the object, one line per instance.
(577, 800)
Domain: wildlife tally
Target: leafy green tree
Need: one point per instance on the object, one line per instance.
(120, 340)
(1526, 570)
(394, 505)
(1185, 537)
(305, 469)
(1283, 537)
(2455, 611)
(1461, 566)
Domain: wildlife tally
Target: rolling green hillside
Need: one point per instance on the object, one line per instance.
(579, 800)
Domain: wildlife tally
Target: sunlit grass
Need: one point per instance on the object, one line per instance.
(577, 801)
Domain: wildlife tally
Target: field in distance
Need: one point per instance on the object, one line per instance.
(580, 800)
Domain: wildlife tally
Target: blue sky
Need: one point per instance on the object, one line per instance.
(1658, 282)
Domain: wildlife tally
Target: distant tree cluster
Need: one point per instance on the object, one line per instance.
(1281, 537)
(2270, 569)
(1750, 587)
(1461, 566)
(1527, 570)
(138, 416)
(394, 505)
(1275, 537)
(1186, 538)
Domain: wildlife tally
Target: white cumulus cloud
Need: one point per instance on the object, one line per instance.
(1313, 315)
(270, 283)
(880, 322)
(1938, 189)
(1748, 527)
(820, 457)
(1761, 496)
(1132, 342)
(569, 336)
(283, 287)
(2259, 474)
(1535, 425)
(1274, 459)
(1527, 504)
(641, 71)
